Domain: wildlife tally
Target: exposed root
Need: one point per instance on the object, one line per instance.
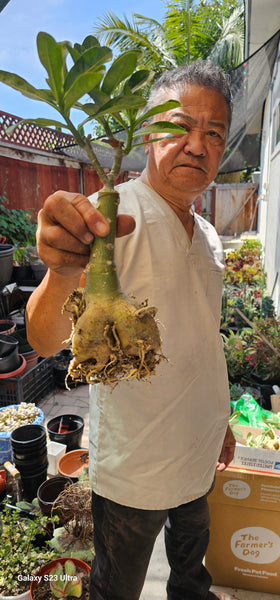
(112, 342)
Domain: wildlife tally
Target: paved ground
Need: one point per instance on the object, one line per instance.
(76, 401)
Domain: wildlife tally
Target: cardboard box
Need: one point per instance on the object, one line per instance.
(244, 549)
(254, 459)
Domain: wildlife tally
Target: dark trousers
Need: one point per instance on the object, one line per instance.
(124, 539)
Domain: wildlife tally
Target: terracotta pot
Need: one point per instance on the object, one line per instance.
(7, 326)
(17, 373)
(71, 464)
(80, 564)
(31, 360)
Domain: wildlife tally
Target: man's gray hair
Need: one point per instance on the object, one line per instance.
(199, 72)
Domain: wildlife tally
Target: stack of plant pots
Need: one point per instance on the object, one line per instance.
(29, 449)
(12, 364)
(6, 263)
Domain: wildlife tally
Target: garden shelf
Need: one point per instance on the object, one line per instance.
(33, 386)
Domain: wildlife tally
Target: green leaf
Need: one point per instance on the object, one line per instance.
(91, 60)
(160, 127)
(82, 85)
(157, 110)
(121, 103)
(138, 80)
(40, 122)
(90, 41)
(51, 56)
(69, 568)
(122, 67)
(21, 85)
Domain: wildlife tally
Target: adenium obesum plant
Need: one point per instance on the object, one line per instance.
(65, 581)
(113, 337)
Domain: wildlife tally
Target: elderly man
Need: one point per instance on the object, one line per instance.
(153, 448)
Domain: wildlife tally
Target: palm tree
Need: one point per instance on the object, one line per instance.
(190, 30)
(228, 51)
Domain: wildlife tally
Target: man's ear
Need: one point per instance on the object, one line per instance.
(145, 138)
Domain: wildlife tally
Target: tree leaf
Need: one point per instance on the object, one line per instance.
(161, 108)
(90, 41)
(138, 80)
(41, 122)
(121, 103)
(51, 56)
(122, 67)
(21, 85)
(82, 85)
(91, 60)
(160, 127)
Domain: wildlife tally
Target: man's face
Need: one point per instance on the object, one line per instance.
(181, 167)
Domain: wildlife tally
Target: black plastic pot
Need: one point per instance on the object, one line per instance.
(28, 438)
(6, 263)
(10, 362)
(7, 344)
(29, 449)
(72, 438)
(49, 491)
(31, 483)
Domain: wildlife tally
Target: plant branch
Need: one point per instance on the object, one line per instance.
(261, 335)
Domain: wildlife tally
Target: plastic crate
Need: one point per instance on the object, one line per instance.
(33, 386)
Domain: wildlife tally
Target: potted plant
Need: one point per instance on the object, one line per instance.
(124, 342)
(23, 551)
(235, 349)
(62, 578)
(264, 350)
(75, 537)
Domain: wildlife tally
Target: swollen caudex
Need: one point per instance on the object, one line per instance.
(112, 339)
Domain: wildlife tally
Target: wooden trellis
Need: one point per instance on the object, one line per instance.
(33, 137)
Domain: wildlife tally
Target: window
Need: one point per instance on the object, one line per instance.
(276, 127)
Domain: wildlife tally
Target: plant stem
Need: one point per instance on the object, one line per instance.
(101, 278)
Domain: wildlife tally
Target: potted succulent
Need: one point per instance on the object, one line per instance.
(61, 578)
(23, 550)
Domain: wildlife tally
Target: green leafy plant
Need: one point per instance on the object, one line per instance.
(264, 350)
(235, 349)
(17, 225)
(65, 581)
(20, 554)
(114, 337)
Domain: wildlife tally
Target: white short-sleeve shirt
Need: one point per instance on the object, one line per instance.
(155, 445)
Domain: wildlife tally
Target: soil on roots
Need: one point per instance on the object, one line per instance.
(114, 340)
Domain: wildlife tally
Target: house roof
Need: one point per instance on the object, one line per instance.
(262, 21)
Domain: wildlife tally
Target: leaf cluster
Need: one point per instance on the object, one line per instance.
(190, 30)
(65, 581)
(111, 94)
(17, 225)
(244, 266)
(20, 555)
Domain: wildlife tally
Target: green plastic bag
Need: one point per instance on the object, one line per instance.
(251, 413)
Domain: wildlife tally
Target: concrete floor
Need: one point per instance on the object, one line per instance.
(76, 401)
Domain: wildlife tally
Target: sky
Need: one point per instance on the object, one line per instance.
(21, 20)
